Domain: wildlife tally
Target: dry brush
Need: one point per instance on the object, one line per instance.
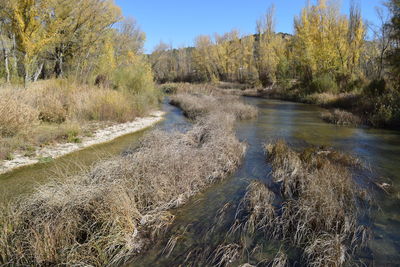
(113, 211)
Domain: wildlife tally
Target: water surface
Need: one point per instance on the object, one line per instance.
(300, 125)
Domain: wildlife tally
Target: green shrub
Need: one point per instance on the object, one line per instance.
(376, 88)
(137, 80)
(323, 84)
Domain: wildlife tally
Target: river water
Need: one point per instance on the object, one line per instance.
(298, 124)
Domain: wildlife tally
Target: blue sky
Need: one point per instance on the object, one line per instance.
(179, 21)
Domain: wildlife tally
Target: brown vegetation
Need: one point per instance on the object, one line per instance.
(199, 105)
(57, 110)
(112, 212)
(313, 207)
(341, 117)
(320, 208)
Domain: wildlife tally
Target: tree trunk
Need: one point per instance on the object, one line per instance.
(27, 77)
(14, 48)
(58, 68)
(6, 60)
(6, 66)
(38, 72)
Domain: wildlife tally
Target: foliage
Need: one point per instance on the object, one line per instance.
(324, 83)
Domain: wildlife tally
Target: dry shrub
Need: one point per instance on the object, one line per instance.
(110, 213)
(255, 212)
(106, 105)
(320, 211)
(199, 105)
(317, 210)
(15, 116)
(341, 117)
(49, 99)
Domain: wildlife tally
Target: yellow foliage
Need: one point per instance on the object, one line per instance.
(326, 41)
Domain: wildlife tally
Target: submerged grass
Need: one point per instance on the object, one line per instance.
(311, 210)
(115, 210)
(320, 209)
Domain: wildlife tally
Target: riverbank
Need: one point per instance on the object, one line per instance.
(118, 208)
(356, 109)
(102, 135)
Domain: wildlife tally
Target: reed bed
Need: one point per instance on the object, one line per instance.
(312, 209)
(115, 210)
(320, 208)
(198, 105)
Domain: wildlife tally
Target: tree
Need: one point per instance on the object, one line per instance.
(328, 43)
(381, 42)
(394, 54)
(270, 48)
(30, 23)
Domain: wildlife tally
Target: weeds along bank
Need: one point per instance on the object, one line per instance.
(114, 211)
(310, 215)
(55, 111)
(362, 107)
(197, 105)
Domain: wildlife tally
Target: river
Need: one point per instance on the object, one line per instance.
(298, 124)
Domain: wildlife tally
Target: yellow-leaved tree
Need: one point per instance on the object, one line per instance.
(326, 42)
(33, 28)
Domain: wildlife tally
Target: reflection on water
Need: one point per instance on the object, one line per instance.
(298, 124)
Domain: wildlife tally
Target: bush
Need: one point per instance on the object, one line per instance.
(137, 79)
(323, 84)
(109, 105)
(15, 116)
(50, 98)
(375, 88)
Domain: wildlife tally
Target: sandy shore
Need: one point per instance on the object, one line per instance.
(100, 136)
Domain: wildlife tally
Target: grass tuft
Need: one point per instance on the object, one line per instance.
(119, 207)
(198, 105)
(341, 117)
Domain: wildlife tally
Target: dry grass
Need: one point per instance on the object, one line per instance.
(320, 211)
(314, 208)
(255, 212)
(112, 212)
(57, 110)
(198, 105)
(15, 116)
(341, 117)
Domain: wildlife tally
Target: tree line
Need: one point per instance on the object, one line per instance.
(82, 39)
(327, 47)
